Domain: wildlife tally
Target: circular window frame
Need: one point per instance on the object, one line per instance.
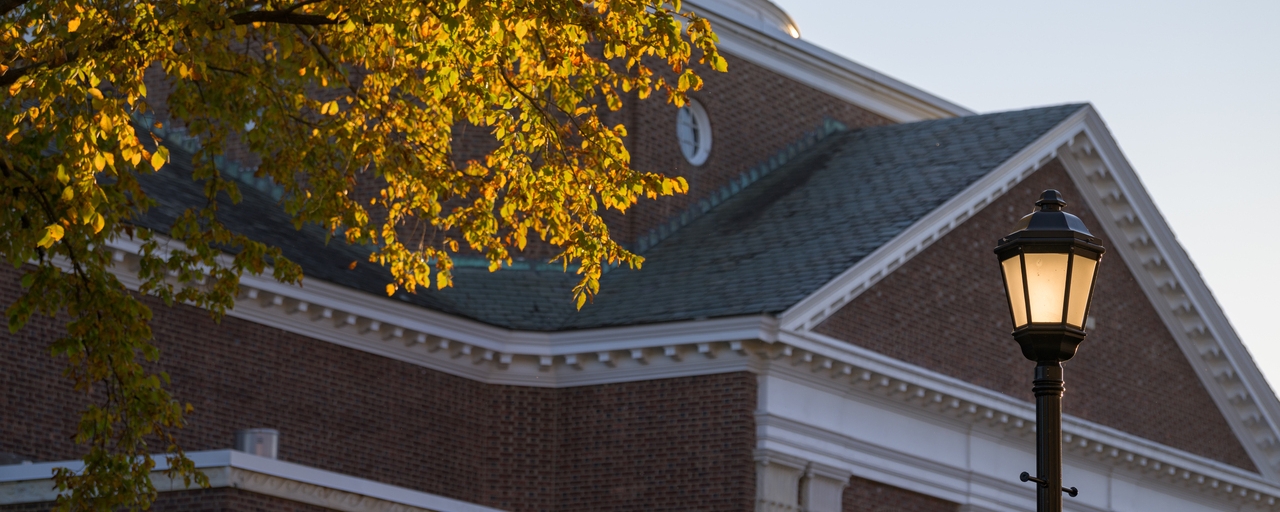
(701, 123)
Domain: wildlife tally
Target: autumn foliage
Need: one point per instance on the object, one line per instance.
(329, 93)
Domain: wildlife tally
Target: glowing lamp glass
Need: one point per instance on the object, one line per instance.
(1048, 287)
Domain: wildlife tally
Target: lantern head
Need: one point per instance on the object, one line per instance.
(1049, 264)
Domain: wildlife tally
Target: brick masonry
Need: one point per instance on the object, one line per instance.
(864, 495)
(682, 443)
(945, 310)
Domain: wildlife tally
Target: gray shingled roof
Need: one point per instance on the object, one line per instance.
(761, 251)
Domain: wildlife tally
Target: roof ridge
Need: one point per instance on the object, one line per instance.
(737, 184)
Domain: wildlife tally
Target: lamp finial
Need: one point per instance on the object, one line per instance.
(1051, 201)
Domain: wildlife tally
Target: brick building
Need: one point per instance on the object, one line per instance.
(819, 326)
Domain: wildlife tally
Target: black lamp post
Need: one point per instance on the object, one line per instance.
(1049, 264)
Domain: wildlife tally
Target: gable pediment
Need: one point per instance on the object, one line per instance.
(1141, 242)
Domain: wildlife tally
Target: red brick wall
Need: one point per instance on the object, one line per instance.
(223, 499)
(654, 445)
(945, 310)
(658, 445)
(864, 495)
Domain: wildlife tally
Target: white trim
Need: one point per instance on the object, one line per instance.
(1165, 272)
(912, 415)
(825, 71)
(481, 352)
(828, 299)
(701, 134)
(32, 483)
(1113, 192)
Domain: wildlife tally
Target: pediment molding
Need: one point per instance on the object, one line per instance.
(1114, 193)
(1169, 278)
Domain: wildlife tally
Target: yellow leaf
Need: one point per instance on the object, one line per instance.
(68, 194)
(62, 174)
(98, 222)
(52, 233)
(73, 25)
(719, 64)
(93, 91)
(159, 157)
(99, 162)
(391, 289)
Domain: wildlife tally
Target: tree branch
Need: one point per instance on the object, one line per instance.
(286, 17)
(16, 73)
(8, 6)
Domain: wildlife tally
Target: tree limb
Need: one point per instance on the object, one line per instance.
(8, 6)
(287, 17)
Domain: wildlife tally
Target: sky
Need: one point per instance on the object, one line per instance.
(1191, 90)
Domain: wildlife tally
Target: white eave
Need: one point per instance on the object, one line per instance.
(33, 483)
(809, 64)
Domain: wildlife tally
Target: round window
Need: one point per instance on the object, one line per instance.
(693, 130)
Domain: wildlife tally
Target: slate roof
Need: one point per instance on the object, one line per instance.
(759, 252)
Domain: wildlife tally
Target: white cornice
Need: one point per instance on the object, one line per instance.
(33, 483)
(482, 352)
(823, 70)
(1147, 245)
(1165, 272)
(812, 310)
(822, 363)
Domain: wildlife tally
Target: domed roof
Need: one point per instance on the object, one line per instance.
(763, 11)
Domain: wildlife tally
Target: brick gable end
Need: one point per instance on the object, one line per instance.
(945, 310)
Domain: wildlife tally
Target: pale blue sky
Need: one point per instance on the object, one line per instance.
(1191, 90)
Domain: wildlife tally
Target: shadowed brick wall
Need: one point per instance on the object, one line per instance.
(945, 310)
(864, 495)
(670, 444)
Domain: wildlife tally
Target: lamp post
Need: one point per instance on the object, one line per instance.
(1049, 263)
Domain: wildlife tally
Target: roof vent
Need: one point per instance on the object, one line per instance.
(263, 442)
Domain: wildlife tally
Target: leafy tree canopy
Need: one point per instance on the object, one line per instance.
(330, 93)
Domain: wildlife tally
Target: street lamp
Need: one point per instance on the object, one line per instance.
(1049, 264)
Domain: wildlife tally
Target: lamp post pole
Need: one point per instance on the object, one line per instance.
(1048, 389)
(1049, 264)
